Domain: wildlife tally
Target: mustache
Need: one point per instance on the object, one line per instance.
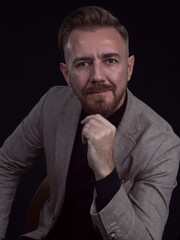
(98, 87)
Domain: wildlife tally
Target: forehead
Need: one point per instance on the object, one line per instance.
(98, 39)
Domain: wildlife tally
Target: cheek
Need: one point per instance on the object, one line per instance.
(119, 80)
(117, 77)
(76, 83)
(79, 79)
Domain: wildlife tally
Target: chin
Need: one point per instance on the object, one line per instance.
(104, 110)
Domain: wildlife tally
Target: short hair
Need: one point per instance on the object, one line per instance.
(88, 18)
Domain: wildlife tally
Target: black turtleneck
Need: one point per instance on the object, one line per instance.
(75, 220)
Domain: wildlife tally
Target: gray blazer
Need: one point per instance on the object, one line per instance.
(146, 151)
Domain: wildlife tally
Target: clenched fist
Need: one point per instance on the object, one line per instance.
(99, 134)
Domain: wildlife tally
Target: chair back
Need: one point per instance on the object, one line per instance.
(41, 196)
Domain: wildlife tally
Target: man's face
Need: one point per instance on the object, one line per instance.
(97, 68)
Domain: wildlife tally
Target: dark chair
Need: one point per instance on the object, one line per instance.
(40, 197)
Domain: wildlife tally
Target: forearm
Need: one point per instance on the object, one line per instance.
(120, 218)
(17, 154)
(137, 211)
(106, 188)
(8, 185)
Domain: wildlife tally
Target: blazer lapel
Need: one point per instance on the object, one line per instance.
(127, 131)
(67, 127)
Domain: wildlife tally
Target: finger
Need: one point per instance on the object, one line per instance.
(90, 130)
(84, 135)
(98, 118)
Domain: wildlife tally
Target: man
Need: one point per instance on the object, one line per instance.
(111, 160)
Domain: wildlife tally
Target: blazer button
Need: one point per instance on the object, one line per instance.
(113, 236)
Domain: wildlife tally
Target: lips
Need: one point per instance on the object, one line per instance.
(98, 92)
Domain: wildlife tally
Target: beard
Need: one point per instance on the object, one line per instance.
(100, 104)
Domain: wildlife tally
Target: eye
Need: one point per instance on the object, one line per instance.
(82, 64)
(111, 61)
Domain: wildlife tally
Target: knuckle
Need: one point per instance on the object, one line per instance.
(113, 129)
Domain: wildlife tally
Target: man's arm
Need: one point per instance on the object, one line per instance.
(137, 211)
(20, 150)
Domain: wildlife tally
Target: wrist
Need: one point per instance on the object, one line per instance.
(102, 173)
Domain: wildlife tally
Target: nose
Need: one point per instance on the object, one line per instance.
(97, 74)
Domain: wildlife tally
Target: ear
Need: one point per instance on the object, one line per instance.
(64, 70)
(131, 61)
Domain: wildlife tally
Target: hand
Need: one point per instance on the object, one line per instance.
(99, 134)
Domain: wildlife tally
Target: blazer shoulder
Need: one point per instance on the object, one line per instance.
(147, 117)
(58, 96)
(60, 91)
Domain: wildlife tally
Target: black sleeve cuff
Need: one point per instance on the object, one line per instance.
(106, 188)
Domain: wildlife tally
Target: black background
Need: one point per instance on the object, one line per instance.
(30, 66)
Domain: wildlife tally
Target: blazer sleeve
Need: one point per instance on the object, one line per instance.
(139, 210)
(18, 153)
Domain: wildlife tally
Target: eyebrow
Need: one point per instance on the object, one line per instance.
(105, 55)
(78, 59)
(112, 54)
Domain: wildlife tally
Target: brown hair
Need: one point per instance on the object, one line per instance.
(88, 18)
